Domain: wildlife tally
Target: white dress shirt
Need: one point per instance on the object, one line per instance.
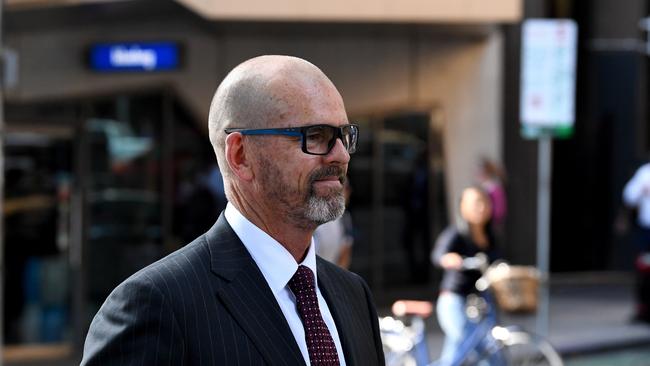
(278, 266)
(637, 194)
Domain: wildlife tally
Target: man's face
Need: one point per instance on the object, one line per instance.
(307, 189)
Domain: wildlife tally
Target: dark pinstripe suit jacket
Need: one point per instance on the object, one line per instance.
(208, 304)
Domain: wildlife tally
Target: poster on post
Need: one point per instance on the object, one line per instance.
(548, 77)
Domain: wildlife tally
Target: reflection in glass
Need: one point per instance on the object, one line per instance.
(37, 216)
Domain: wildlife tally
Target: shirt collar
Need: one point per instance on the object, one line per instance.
(273, 259)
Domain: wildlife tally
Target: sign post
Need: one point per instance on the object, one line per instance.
(2, 169)
(547, 110)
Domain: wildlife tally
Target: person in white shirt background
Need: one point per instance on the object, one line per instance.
(636, 196)
(334, 239)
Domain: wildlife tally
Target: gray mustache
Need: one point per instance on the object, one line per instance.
(327, 172)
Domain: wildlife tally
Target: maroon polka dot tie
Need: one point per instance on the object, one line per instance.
(322, 351)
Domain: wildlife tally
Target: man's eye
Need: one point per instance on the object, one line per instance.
(316, 134)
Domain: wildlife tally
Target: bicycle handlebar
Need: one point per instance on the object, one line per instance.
(481, 263)
(478, 262)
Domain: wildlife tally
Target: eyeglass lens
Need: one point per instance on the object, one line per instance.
(321, 139)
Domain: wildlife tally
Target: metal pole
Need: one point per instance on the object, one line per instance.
(78, 228)
(544, 161)
(378, 213)
(2, 192)
(168, 170)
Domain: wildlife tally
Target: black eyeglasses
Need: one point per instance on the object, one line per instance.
(316, 139)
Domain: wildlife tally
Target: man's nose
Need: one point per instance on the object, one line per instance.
(339, 154)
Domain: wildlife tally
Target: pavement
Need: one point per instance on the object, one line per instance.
(588, 313)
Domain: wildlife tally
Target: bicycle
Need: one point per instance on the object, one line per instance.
(489, 343)
(404, 337)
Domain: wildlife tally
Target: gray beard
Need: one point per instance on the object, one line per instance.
(321, 210)
(314, 211)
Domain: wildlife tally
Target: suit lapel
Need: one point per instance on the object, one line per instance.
(340, 309)
(245, 293)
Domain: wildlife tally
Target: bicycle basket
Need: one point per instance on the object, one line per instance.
(515, 287)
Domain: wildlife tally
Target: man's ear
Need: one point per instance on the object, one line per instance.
(236, 157)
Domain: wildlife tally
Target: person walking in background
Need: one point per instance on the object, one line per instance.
(636, 196)
(454, 243)
(334, 239)
(492, 179)
(251, 291)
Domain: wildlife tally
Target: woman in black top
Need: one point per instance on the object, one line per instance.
(451, 247)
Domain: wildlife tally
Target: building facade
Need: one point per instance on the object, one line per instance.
(107, 171)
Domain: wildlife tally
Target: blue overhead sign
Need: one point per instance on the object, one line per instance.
(136, 57)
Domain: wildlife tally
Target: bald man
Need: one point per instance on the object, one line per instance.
(251, 291)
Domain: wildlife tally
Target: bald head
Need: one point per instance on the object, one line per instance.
(265, 91)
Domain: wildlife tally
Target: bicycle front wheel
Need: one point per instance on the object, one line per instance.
(521, 348)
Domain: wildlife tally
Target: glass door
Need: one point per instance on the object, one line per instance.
(151, 185)
(122, 189)
(96, 190)
(397, 201)
(37, 213)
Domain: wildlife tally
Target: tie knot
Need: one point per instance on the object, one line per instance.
(302, 280)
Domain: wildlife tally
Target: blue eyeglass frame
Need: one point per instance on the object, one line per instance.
(301, 132)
